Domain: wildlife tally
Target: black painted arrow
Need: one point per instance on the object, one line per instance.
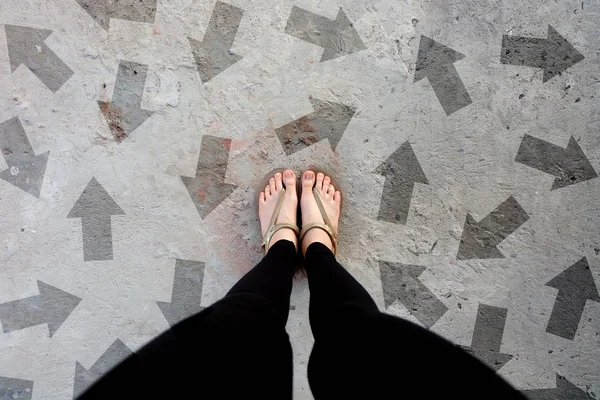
(479, 239)
(401, 282)
(132, 10)
(95, 207)
(337, 37)
(575, 287)
(13, 388)
(553, 54)
(569, 165)
(187, 292)
(401, 171)
(84, 378)
(213, 54)
(124, 114)
(564, 390)
(52, 306)
(26, 46)
(487, 336)
(208, 188)
(328, 121)
(435, 62)
(25, 169)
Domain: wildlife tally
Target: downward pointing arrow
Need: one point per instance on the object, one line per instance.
(212, 55)
(26, 46)
(52, 306)
(208, 188)
(575, 287)
(328, 121)
(569, 165)
(564, 390)
(187, 292)
(25, 169)
(554, 54)
(132, 10)
(124, 114)
(401, 171)
(338, 37)
(13, 388)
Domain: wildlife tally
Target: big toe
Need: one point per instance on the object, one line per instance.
(289, 180)
(308, 180)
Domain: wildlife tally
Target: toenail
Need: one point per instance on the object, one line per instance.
(287, 174)
(308, 175)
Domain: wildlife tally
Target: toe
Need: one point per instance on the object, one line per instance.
(278, 182)
(308, 180)
(289, 179)
(337, 197)
(272, 185)
(320, 178)
(267, 192)
(261, 198)
(326, 183)
(331, 190)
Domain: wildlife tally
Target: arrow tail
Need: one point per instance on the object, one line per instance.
(97, 237)
(310, 27)
(50, 69)
(449, 89)
(129, 86)
(489, 328)
(21, 314)
(541, 155)
(14, 141)
(527, 51)
(505, 219)
(395, 202)
(223, 26)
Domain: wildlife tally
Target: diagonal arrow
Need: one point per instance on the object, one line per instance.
(213, 54)
(84, 378)
(95, 207)
(436, 63)
(564, 390)
(52, 306)
(553, 54)
(328, 121)
(124, 114)
(13, 388)
(26, 46)
(187, 292)
(480, 239)
(575, 287)
(569, 165)
(337, 37)
(401, 281)
(401, 171)
(208, 188)
(487, 336)
(25, 169)
(132, 10)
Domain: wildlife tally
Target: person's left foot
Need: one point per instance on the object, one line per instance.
(267, 200)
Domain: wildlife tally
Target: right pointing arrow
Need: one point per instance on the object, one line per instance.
(187, 292)
(564, 390)
(13, 388)
(569, 165)
(575, 287)
(480, 239)
(401, 171)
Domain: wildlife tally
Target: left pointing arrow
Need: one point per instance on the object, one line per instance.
(52, 306)
(26, 46)
(25, 169)
(95, 207)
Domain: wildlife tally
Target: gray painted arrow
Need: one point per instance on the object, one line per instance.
(95, 207)
(208, 188)
(401, 281)
(132, 10)
(15, 389)
(84, 378)
(187, 292)
(52, 306)
(213, 54)
(26, 46)
(575, 287)
(337, 37)
(435, 62)
(328, 121)
(569, 165)
(564, 390)
(553, 54)
(124, 114)
(401, 171)
(487, 336)
(479, 239)
(25, 169)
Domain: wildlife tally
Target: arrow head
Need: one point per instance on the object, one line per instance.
(94, 201)
(433, 58)
(27, 174)
(13, 388)
(577, 280)
(492, 359)
(561, 54)
(477, 242)
(348, 40)
(207, 191)
(393, 277)
(21, 42)
(212, 59)
(403, 167)
(566, 390)
(577, 169)
(122, 122)
(57, 304)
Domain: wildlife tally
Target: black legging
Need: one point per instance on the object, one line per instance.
(238, 347)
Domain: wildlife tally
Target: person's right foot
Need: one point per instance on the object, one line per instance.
(332, 201)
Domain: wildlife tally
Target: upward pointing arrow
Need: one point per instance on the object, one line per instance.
(553, 54)
(25, 169)
(213, 54)
(401, 171)
(132, 10)
(575, 287)
(187, 292)
(52, 306)
(13, 388)
(564, 390)
(95, 207)
(26, 46)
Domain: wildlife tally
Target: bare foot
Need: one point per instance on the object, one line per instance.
(332, 201)
(267, 200)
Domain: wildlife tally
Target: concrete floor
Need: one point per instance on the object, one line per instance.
(465, 135)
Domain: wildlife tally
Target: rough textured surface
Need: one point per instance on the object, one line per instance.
(484, 127)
